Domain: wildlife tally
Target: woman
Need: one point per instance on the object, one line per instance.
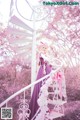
(33, 103)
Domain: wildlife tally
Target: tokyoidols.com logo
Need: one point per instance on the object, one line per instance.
(60, 3)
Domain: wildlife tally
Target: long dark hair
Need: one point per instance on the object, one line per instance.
(41, 62)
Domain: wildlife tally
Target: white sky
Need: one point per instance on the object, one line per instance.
(23, 8)
(4, 10)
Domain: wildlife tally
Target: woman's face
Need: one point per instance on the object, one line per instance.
(43, 49)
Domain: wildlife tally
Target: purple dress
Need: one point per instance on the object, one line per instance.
(48, 68)
(33, 103)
